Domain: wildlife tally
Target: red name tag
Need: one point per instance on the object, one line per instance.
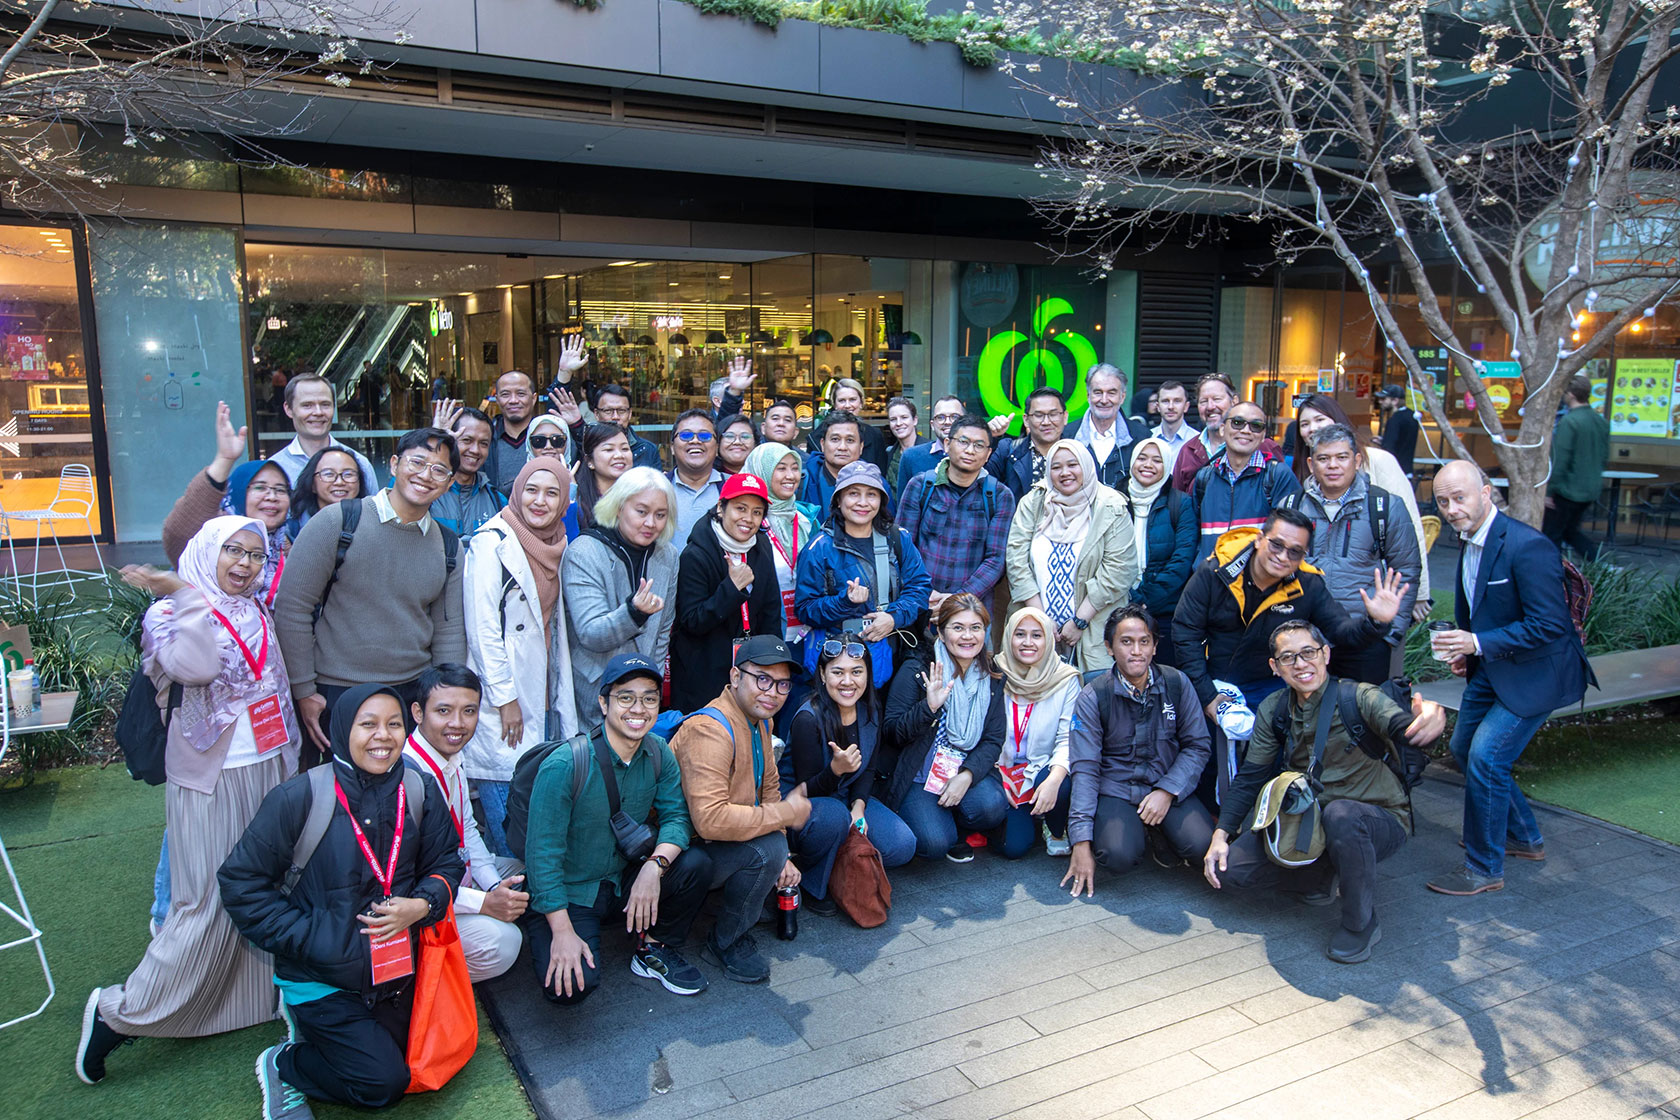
(1015, 785)
(393, 959)
(946, 763)
(789, 616)
(268, 725)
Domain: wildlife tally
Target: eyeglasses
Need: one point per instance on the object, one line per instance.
(542, 443)
(963, 443)
(1295, 554)
(833, 648)
(612, 411)
(738, 437)
(767, 683)
(435, 471)
(1044, 417)
(236, 554)
(337, 476)
(694, 436)
(1238, 423)
(1298, 656)
(629, 701)
(965, 628)
(263, 490)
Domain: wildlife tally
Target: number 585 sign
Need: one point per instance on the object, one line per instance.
(989, 369)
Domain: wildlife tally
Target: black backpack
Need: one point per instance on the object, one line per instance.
(1404, 760)
(347, 536)
(142, 731)
(525, 780)
(322, 802)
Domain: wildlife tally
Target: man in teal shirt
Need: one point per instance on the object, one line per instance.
(576, 874)
(1580, 448)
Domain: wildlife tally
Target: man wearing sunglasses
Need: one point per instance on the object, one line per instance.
(694, 447)
(735, 805)
(1215, 394)
(1254, 583)
(1238, 489)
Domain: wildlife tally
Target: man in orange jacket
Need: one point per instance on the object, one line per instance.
(735, 804)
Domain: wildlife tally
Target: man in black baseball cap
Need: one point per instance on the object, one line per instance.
(739, 816)
(1400, 426)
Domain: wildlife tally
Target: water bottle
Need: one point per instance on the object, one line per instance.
(787, 913)
(35, 684)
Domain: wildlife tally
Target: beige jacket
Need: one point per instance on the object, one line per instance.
(717, 776)
(1106, 571)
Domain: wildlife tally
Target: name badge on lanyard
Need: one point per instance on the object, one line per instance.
(268, 722)
(789, 616)
(393, 958)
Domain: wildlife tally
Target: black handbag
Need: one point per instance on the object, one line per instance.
(634, 839)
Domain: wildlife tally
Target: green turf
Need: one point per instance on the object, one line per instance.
(84, 842)
(1619, 770)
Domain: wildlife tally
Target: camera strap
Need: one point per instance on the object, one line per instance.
(604, 763)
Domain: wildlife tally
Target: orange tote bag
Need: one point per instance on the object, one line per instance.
(443, 1028)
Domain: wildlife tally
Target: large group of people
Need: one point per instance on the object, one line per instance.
(1098, 637)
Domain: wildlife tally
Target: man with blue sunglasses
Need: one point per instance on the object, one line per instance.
(694, 447)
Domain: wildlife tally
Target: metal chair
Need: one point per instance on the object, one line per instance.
(21, 915)
(74, 501)
(1655, 506)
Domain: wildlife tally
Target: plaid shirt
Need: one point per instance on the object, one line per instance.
(960, 548)
(1256, 461)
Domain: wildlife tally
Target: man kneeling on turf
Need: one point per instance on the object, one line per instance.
(492, 897)
(578, 875)
(1365, 809)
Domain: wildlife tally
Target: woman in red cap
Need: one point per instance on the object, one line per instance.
(726, 591)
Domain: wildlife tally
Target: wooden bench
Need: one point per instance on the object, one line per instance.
(1633, 676)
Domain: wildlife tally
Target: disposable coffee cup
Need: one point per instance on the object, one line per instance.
(1439, 626)
(20, 686)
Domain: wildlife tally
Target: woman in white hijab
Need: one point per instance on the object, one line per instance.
(1072, 553)
(208, 645)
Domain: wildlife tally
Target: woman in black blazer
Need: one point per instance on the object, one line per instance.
(726, 591)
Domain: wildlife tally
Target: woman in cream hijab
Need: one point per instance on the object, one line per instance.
(1039, 691)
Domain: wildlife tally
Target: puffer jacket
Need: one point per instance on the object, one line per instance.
(1209, 637)
(1346, 548)
(313, 934)
(1173, 537)
(831, 561)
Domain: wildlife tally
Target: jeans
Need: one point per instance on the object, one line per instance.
(681, 892)
(1357, 837)
(815, 846)
(747, 871)
(1487, 742)
(1562, 526)
(1119, 836)
(938, 829)
(1020, 827)
(160, 882)
(492, 801)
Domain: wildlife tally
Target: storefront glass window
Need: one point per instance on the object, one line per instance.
(45, 420)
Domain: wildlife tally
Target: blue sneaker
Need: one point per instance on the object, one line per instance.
(280, 1100)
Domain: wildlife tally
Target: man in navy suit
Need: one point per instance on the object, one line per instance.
(1517, 650)
(926, 456)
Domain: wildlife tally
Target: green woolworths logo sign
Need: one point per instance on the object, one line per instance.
(1028, 366)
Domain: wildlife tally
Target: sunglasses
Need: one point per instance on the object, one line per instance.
(545, 442)
(1238, 424)
(833, 648)
(692, 437)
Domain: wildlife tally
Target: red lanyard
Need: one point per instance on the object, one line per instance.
(255, 663)
(367, 849)
(791, 561)
(274, 584)
(437, 772)
(1020, 723)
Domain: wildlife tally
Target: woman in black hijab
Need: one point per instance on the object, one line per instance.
(343, 937)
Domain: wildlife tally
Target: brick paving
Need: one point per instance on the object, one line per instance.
(991, 993)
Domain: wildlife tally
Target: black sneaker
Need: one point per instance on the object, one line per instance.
(821, 907)
(280, 1100)
(1325, 897)
(1350, 947)
(97, 1042)
(654, 961)
(961, 853)
(741, 962)
(1161, 852)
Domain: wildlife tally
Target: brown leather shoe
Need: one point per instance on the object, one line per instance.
(1516, 849)
(1464, 882)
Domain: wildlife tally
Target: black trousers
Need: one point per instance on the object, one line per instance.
(1357, 837)
(1119, 836)
(1369, 665)
(1562, 526)
(681, 893)
(349, 1052)
(747, 871)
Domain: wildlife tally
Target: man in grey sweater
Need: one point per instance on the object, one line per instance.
(394, 608)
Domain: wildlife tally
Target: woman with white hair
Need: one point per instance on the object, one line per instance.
(620, 577)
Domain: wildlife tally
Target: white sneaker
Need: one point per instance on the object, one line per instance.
(1055, 845)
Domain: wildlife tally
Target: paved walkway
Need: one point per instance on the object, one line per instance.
(991, 993)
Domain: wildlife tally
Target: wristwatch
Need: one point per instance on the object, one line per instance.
(663, 862)
(1081, 624)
